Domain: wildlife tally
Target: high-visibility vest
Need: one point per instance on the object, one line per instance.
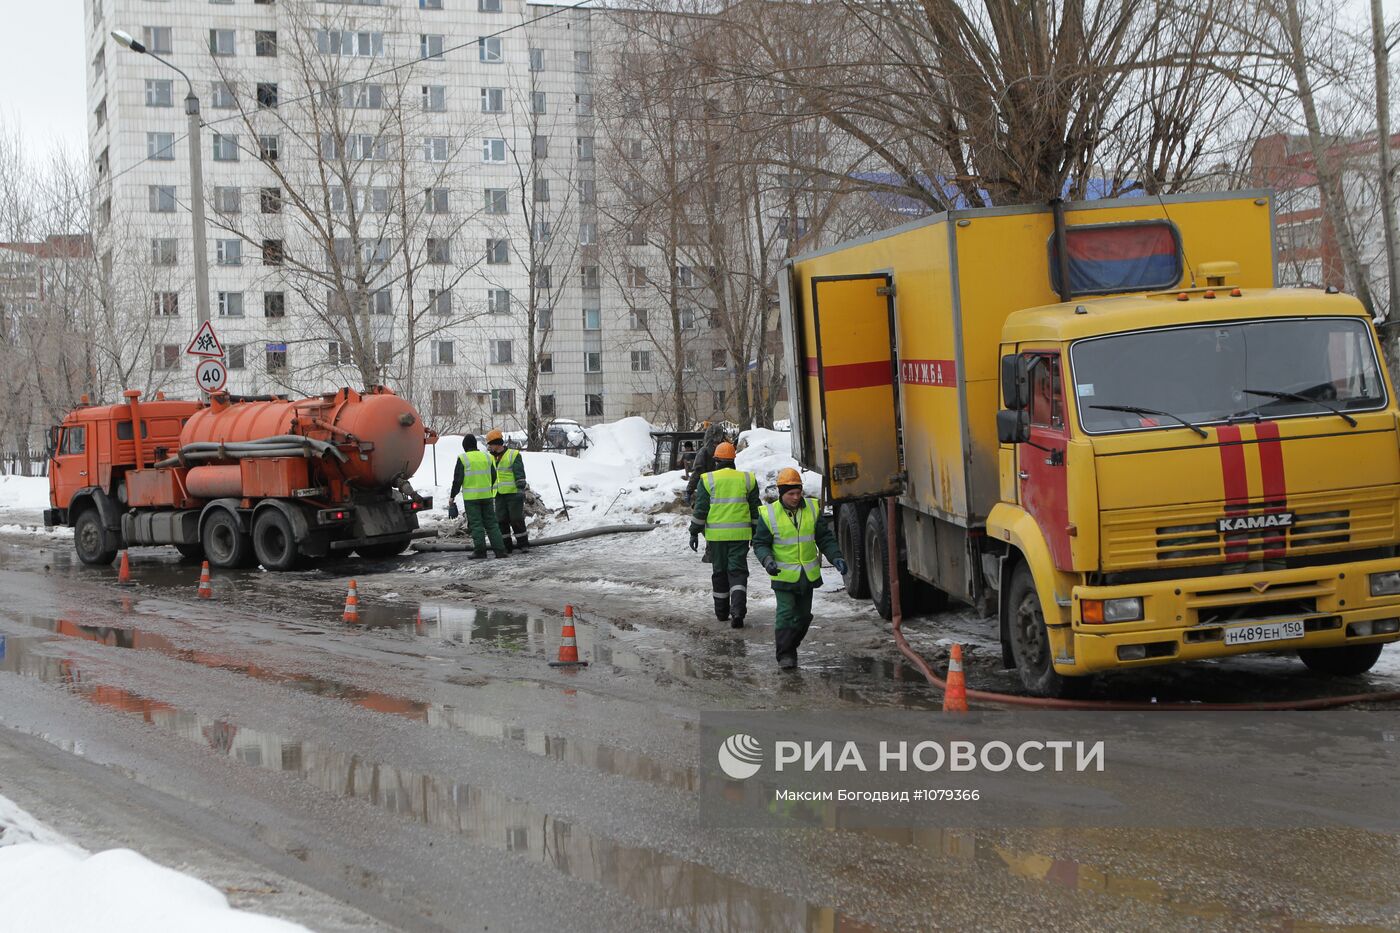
(728, 518)
(505, 475)
(476, 475)
(794, 547)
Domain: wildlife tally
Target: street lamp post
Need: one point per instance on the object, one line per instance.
(201, 250)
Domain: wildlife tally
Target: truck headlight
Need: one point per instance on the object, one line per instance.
(1385, 584)
(1125, 609)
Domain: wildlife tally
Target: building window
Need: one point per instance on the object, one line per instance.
(166, 304)
(496, 201)
(430, 46)
(350, 43)
(488, 6)
(636, 235)
(274, 304)
(685, 277)
(439, 250)
(221, 42)
(228, 200)
(435, 200)
(225, 148)
(687, 316)
(167, 356)
(160, 92)
(720, 398)
(541, 231)
(587, 192)
(795, 230)
(267, 95)
(583, 105)
(161, 199)
(488, 49)
(444, 403)
(338, 354)
(538, 102)
(164, 252)
(502, 351)
(544, 319)
(543, 277)
(588, 276)
(593, 362)
(270, 200)
(641, 361)
(434, 98)
(236, 357)
(362, 96)
(593, 406)
(493, 100)
(585, 148)
(502, 401)
(719, 359)
(269, 148)
(221, 96)
(546, 406)
(636, 276)
(277, 357)
(160, 147)
(265, 43)
(583, 61)
(592, 319)
(537, 59)
(546, 361)
(493, 150)
(587, 234)
(230, 304)
(430, 4)
(637, 319)
(498, 300)
(229, 252)
(539, 147)
(442, 352)
(156, 39)
(273, 253)
(434, 148)
(541, 189)
(440, 300)
(634, 149)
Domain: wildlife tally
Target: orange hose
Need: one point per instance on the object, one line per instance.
(1012, 699)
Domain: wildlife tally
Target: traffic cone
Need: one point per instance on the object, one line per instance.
(124, 571)
(206, 590)
(352, 604)
(955, 693)
(568, 645)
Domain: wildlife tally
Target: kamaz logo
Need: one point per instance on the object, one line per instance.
(1254, 522)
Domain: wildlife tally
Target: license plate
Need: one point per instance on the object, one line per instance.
(1263, 632)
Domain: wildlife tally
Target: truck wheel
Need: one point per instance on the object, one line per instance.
(224, 543)
(190, 551)
(1346, 661)
(90, 539)
(1030, 642)
(274, 542)
(851, 536)
(384, 549)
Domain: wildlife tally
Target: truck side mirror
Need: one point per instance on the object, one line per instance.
(53, 441)
(1013, 427)
(1016, 381)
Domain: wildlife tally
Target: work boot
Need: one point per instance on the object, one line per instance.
(788, 662)
(722, 609)
(522, 542)
(509, 544)
(479, 554)
(736, 622)
(504, 552)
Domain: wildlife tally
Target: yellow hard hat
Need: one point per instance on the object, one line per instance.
(787, 476)
(725, 451)
(494, 436)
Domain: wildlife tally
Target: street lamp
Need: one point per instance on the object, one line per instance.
(201, 251)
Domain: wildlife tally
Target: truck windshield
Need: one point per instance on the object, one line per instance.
(1215, 372)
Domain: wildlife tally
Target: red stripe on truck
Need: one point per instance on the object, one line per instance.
(856, 375)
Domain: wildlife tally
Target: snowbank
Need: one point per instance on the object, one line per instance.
(24, 493)
(119, 891)
(626, 443)
(763, 453)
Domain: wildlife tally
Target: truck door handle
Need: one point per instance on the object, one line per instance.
(1023, 474)
(82, 472)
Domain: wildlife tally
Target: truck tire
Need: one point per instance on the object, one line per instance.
(190, 551)
(274, 541)
(1030, 642)
(90, 538)
(850, 534)
(1345, 661)
(225, 544)
(384, 549)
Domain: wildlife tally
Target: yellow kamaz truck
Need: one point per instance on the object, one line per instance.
(1107, 427)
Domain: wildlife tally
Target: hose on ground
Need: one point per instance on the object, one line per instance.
(430, 545)
(1029, 702)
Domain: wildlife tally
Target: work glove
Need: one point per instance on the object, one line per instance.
(452, 509)
(771, 565)
(840, 563)
(522, 485)
(695, 541)
(689, 498)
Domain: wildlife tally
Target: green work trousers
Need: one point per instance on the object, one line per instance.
(510, 516)
(481, 522)
(794, 617)
(729, 578)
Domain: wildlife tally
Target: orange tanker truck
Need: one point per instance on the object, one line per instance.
(240, 480)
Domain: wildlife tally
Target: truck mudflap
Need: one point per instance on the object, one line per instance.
(364, 523)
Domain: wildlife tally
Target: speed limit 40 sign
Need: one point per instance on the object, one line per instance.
(211, 375)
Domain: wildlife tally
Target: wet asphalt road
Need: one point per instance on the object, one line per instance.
(427, 770)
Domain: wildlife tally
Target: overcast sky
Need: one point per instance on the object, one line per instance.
(42, 73)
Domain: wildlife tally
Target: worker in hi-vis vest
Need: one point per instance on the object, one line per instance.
(791, 536)
(475, 476)
(510, 491)
(726, 507)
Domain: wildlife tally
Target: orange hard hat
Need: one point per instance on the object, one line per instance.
(725, 451)
(787, 476)
(494, 436)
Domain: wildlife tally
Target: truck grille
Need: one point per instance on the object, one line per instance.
(1188, 534)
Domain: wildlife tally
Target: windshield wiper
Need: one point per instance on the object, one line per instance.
(1298, 397)
(1135, 410)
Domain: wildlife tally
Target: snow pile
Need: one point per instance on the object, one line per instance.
(24, 493)
(763, 453)
(627, 443)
